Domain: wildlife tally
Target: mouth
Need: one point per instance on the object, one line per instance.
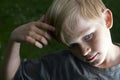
(91, 58)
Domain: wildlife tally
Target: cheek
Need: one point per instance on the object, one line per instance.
(98, 44)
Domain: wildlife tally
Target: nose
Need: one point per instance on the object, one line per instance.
(85, 49)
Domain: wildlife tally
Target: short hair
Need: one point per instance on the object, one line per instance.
(65, 14)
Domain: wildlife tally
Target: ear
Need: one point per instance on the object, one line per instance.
(108, 18)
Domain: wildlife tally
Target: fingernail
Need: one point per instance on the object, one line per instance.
(38, 44)
(44, 41)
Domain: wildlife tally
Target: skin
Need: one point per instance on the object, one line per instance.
(33, 33)
(36, 33)
(94, 45)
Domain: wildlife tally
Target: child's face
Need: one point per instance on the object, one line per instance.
(93, 42)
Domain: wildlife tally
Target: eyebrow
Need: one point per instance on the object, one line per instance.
(83, 33)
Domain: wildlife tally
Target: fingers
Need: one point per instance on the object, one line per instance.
(45, 26)
(35, 33)
(40, 24)
(43, 33)
(33, 41)
(38, 42)
(39, 38)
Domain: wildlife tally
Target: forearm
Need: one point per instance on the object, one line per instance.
(33, 33)
(11, 60)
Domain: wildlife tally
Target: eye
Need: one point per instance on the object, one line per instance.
(74, 45)
(88, 37)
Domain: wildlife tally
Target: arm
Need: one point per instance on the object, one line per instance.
(12, 60)
(33, 33)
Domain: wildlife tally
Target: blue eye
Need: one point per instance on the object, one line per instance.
(88, 37)
(74, 45)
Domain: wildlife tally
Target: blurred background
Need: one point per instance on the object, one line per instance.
(14, 13)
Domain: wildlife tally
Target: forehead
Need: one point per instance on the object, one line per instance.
(80, 29)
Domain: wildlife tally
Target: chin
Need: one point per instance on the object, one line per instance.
(98, 63)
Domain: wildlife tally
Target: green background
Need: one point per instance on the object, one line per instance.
(14, 13)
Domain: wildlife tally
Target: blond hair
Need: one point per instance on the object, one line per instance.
(65, 14)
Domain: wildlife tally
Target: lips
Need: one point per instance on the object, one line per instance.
(90, 58)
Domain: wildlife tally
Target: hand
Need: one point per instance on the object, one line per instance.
(33, 32)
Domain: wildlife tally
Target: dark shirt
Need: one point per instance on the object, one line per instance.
(63, 66)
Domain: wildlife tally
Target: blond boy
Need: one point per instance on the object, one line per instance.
(81, 25)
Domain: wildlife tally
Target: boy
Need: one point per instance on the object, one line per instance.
(84, 27)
